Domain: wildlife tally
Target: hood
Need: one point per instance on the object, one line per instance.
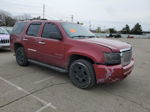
(4, 36)
(114, 45)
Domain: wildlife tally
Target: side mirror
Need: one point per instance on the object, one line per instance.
(55, 35)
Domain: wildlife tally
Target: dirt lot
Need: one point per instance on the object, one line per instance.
(38, 89)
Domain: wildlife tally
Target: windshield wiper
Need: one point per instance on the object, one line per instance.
(83, 36)
(79, 36)
(91, 36)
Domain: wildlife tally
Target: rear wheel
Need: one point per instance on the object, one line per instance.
(82, 74)
(21, 57)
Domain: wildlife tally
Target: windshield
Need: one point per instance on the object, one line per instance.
(77, 31)
(3, 31)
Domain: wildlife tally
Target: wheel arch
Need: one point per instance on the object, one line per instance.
(74, 57)
(17, 45)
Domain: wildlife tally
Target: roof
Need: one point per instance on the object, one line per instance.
(44, 20)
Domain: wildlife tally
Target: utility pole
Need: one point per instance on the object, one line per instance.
(90, 25)
(72, 17)
(43, 11)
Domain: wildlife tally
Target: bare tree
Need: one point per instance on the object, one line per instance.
(6, 19)
(23, 17)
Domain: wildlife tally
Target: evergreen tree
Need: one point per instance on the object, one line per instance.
(126, 29)
(137, 29)
(112, 30)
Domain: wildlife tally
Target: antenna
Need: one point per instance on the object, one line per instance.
(43, 11)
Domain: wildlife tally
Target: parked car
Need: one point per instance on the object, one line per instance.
(109, 35)
(69, 47)
(130, 36)
(4, 38)
(117, 35)
(9, 29)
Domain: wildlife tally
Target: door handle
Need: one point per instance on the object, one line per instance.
(41, 42)
(25, 39)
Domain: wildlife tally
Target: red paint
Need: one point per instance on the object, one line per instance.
(118, 72)
(58, 52)
(130, 37)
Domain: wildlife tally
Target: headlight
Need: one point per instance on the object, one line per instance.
(112, 58)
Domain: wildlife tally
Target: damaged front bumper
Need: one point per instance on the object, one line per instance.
(108, 74)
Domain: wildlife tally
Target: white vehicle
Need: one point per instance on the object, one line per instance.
(4, 38)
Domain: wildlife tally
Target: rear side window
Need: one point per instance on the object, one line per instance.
(34, 29)
(50, 28)
(18, 28)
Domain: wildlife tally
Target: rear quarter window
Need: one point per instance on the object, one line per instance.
(18, 28)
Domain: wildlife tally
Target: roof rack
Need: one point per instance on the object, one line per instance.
(43, 19)
(32, 19)
(36, 19)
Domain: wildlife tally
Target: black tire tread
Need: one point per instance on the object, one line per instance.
(25, 59)
(92, 74)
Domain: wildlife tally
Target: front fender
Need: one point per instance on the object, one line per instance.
(95, 54)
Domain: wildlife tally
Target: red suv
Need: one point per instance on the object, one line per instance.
(69, 47)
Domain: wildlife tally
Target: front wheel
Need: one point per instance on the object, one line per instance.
(21, 57)
(82, 74)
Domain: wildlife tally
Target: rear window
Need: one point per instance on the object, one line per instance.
(34, 29)
(18, 28)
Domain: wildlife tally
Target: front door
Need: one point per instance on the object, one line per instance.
(51, 47)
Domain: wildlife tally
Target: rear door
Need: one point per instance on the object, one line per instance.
(51, 48)
(31, 39)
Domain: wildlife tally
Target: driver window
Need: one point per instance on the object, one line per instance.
(49, 29)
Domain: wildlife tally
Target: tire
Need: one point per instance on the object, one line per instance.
(81, 74)
(21, 57)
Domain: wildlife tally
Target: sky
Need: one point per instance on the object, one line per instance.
(103, 13)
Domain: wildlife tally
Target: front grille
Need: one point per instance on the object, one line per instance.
(3, 41)
(126, 57)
